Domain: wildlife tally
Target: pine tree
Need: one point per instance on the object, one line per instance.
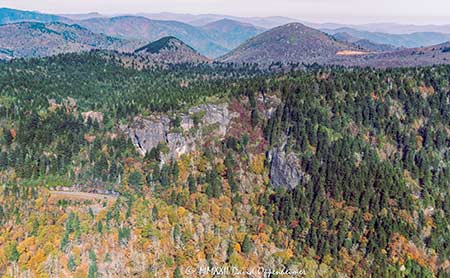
(177, 273)
(93, 269)
(71, 264)
(192, 185)
(247, 245)
(230, 250)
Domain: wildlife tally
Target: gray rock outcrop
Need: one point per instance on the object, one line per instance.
(286, 170)
(147, 133)
(215, 114)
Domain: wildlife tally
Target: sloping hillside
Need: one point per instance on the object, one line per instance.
(411, 57)
(293, 42)
(296, 43)
(33, 39)
(337, 172)
(170, 50)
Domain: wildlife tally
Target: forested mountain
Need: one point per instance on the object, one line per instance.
(293, 42)
(216, 36)
(297, 44)
(34, 39)
(230, 33)
(212, 40)
(169, 50)
(332, 171)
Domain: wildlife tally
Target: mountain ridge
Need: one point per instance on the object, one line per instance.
(8, 15)
(417, 39)
(144, 30)
(36, 39)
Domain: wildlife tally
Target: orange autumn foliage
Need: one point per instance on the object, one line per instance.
(401, 249)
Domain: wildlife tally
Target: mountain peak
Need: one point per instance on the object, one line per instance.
(170, 50)
(293, 42)
(168, 43)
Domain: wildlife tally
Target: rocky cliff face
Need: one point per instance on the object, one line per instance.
(209, 119)
(286, 169)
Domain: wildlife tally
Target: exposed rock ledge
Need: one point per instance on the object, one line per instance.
(147, 133)
(286, 169)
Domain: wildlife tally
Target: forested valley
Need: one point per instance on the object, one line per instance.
(363, 155)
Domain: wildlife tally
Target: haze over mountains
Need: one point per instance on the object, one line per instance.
(417, 39)
(12, 16)
(36, 39)
(233, 39)
(297, 43)
(204, 19)
(213, 40)
(231, 33)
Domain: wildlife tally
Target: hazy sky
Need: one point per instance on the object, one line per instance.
(348, 11)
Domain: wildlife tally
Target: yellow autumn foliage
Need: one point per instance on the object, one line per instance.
(285, 255)
(236, 260)
(35, 261)
(226, 214)
(183, 166)
(181, 212)
(237, 247)
(257, 164)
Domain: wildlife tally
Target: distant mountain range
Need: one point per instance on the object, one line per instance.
(13, 16)
(33, 34)
(212, 40)
(297, 43)
(204, 19)
(398, 40)
(230, 33)
(274, 21)
(390, 28)
(36, 39)
(145, 30)
(364, 43)
(81, 16)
